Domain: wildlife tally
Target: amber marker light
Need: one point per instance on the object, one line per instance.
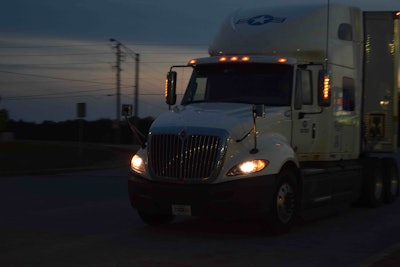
(192, 62)
(282, 60)
(245, 58)
(222, 59)
(234, 58)
(326, 86)
(166, 88)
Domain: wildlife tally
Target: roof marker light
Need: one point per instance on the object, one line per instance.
(234, 58)
(245, 58)
(282, 60)
(192, 61)
(222, 59)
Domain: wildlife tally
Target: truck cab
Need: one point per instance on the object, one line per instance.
(279, 120)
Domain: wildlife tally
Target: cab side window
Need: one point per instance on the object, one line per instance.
(306, 87)
(304, 90)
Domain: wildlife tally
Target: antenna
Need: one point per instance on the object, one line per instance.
(327, 35)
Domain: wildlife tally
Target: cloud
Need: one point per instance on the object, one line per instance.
(68, 34)
(48, 73)
(150, 20)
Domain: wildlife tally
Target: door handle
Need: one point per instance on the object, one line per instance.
(313, 131)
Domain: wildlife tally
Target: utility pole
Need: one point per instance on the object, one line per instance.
(118, 53)
(118, 66)
(136, 57)
(136, 93)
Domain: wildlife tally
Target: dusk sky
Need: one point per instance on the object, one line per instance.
(56, 53)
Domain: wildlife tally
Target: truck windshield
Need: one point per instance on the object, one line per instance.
(253, 83)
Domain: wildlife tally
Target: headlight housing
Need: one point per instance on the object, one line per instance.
(248, 167)
(137, 164)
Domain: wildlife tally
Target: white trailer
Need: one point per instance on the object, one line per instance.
(294, 113)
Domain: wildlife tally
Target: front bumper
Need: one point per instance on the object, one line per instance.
(247, 197)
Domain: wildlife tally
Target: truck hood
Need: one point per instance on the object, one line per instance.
(235, 118)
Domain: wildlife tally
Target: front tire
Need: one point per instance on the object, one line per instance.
(285, 202)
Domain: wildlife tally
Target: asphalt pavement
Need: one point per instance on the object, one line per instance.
(388, 257)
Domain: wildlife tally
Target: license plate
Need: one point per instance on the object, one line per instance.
(182, 210)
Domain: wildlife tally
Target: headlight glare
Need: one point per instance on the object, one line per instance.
(248, 167)
(137, 164)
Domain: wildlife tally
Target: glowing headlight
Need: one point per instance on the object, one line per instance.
(137, 164)
(248, 167)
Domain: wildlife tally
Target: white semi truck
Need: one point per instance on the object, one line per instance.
(294, 113)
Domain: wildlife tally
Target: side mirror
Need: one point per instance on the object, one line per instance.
(324, 89)
(170, 88)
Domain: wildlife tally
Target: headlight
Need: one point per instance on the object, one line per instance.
(248, 167)
(137, 164)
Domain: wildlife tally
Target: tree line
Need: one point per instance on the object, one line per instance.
(99, 131)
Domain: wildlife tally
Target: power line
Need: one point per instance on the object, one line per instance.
(53, 94)
(56, 64)
(71, 94)
(53, 97)
(49, 46)
(166, 53)
(54, 55)
(51, 77)
(102, 45)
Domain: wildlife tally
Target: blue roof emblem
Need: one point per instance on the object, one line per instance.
(261, 20)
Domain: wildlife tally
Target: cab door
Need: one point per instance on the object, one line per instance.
(307, 135)
(303, 130)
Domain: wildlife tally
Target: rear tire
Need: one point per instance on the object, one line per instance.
(373, 186)
(391, 179)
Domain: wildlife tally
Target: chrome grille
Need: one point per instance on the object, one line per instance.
(185, 157)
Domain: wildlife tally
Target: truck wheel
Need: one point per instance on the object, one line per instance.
(391, 179)
(153, 219)
(285, 202)
(373, 188)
